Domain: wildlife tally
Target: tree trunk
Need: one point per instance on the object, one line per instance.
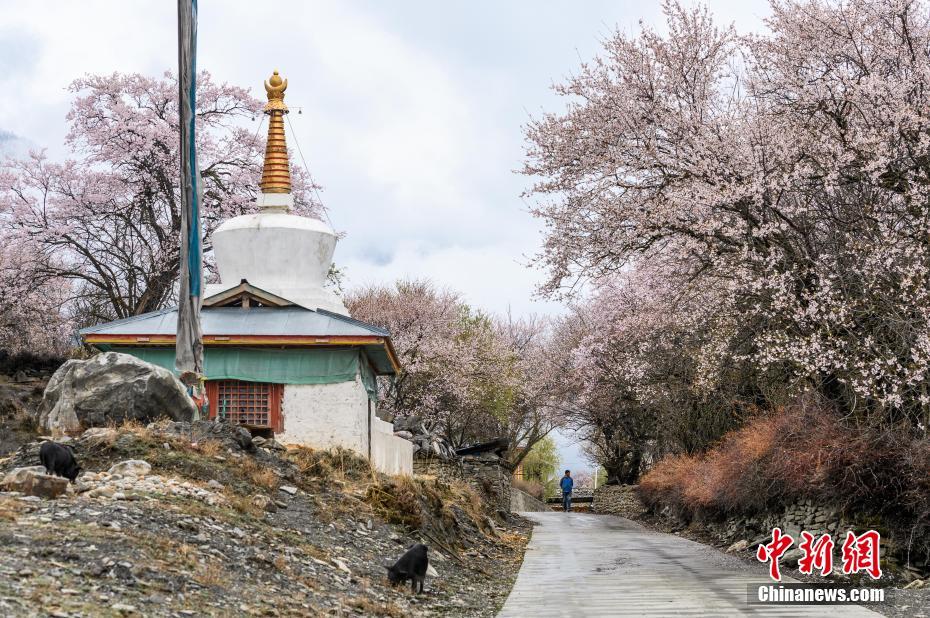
(633, 468)
(615, 468)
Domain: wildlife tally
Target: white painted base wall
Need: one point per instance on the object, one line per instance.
(326, 415)
(390, 454)
(330, 415)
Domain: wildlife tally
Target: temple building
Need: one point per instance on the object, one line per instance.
(282, 355)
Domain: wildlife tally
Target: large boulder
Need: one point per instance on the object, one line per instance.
(16, 480)
(45, 486)
(33, 481)
(131, 467)
(111, 388)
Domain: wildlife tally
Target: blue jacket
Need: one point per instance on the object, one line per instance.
(566, 484)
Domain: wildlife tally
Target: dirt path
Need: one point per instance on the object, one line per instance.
(599, 565)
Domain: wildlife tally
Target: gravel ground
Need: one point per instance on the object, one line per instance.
(146, 549)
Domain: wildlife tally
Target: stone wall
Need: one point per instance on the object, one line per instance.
(801, 516)
(489, 475)
(617, 500)
(486, 473)
(744, 533)
(446, 470)
(522, 502)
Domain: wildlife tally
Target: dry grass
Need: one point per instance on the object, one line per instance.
(469, 499)
(429, 505)
(132, 426)
(336, 464)
(27, 422)
(398, 500)
(186, 552)
(373, 608)
(210, 573)
(314, 552)
(258, 474)
(242, 503)
(164, 552)
(210, 448)
(512, 539)
(10, 509)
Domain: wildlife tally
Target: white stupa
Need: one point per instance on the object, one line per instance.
(281, 253)
(281, 354)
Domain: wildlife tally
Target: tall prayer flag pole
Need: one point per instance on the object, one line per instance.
(189, 341)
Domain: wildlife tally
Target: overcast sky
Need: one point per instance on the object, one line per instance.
(411, 110)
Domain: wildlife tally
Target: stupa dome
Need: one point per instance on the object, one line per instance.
(282, 253)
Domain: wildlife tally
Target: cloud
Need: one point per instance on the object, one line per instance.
(410, 112)
(50, 48)
(489, 277)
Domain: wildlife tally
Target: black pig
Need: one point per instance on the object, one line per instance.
(412, 565)
(58, 459)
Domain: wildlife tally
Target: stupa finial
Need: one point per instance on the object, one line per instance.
(276, 172)
(275, 87)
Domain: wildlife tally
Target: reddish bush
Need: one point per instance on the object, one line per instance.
(668, 483)
(804, 451)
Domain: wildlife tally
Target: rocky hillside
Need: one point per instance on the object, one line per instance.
(211, 524)
(18, 400)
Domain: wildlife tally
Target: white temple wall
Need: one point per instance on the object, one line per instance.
(330, 415)
(326, 415)
(389, 454)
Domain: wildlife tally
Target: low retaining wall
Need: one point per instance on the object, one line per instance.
(443, 469)
(617, 500)
(801, 516)
(522, 502)
(741, 534)
(390, 454)
(489, 476)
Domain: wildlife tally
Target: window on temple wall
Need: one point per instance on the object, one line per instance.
(254, 404)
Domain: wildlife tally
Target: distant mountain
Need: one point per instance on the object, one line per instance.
(13, 145)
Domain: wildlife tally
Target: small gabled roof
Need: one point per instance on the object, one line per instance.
(248, 292)
(256, 326)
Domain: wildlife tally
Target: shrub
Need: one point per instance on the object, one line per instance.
(28, 361)
(800, 452)
(537, 490)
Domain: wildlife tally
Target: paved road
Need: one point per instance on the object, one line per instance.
(597, 565)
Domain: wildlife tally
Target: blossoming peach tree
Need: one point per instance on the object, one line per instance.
(472, 376)
(781, 178)
(103, 224)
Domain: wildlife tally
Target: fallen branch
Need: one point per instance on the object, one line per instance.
(452, 553)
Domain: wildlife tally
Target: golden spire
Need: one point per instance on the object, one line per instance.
(276, 173)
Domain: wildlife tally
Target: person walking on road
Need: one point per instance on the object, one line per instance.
(566, 484)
